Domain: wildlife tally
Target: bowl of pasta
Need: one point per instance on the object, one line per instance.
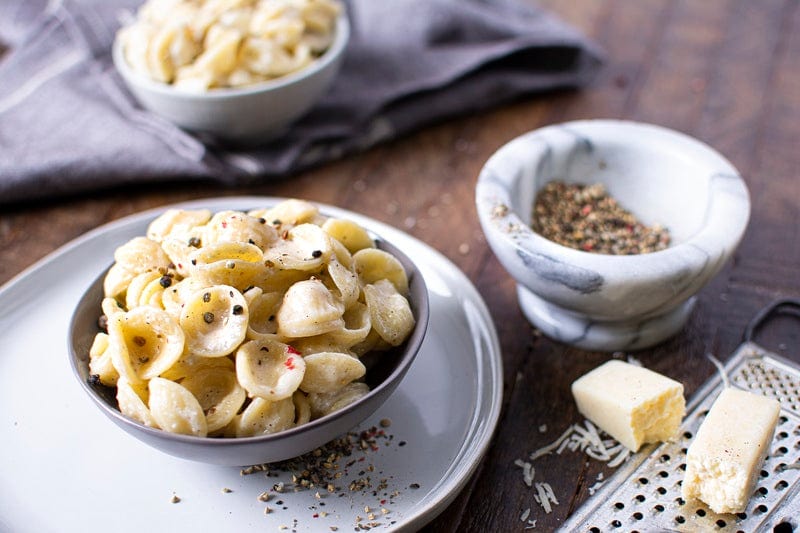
(241, 73)
(241, 338)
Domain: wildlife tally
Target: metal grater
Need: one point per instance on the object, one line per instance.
(645, 493)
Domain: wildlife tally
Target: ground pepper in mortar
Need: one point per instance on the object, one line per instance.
(585, 217)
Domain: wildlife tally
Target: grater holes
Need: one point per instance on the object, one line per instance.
(665, 458)
(680, 501)
(700, 512)
(619, 505)
(741, 516)
(594, 529)
(761, 509)
(762, 491)
(640, 498)
(616, 523)
(661, 490)
(782, 450)
(637, 515)
(643, 481)
(682, 466)
(764, 474)
(783, 527)
(680, 519)
(687, 434)
(782, 484)
(658, 508)
(721, 523)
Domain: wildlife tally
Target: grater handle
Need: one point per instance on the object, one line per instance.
(789, 306)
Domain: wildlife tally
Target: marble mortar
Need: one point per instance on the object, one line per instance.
(606, 302)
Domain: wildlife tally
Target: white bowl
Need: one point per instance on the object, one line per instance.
(613, 302)
(249, 114)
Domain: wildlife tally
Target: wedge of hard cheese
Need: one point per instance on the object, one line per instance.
(632, 404)
(725, 457)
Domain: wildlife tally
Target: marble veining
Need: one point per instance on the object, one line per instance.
(604, 302)
(578, 279)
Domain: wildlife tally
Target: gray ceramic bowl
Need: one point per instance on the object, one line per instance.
(249, 114)
(613, 302)
(383, 375)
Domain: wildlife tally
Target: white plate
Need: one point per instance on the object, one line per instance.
(65, 467)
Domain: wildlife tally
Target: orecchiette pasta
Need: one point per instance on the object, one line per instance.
(242, 324)
(204, 44)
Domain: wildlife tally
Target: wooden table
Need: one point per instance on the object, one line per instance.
(724, 71)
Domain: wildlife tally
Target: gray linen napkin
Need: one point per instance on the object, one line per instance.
(67, 125)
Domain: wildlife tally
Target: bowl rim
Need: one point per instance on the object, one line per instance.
(332, 54)
(492, 190)
(407, 354)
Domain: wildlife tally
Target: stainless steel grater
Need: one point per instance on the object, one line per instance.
(644, 494)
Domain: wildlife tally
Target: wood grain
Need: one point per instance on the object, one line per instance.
(724, 71)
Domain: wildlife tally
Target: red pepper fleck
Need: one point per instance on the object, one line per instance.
(289, 363)
(291, 350)
(383, 502)
(585, 210)
(224, 224)
(315, 515)
(587, 247)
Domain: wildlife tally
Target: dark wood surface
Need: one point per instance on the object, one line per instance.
(724, 71)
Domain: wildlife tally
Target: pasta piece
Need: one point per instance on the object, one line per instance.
(140, 254)
(158, 60)
(111, 307)
(263, 417)
(302, 409)
(328, 372)
(144, 342)
(326, 403)
(357, 325)
(180, 249)
(390, 312)
(288, 213)
(142, 290)
(219, 394)
(309, 309)
(345, 280)
(269, 369)
(189, 365)
(236, 264)
(117, 280)
(176, 223)
(131, 404)
(235, 226)
(175, 409)
(278, 280)
(100, 363)
(349, 233)
(175, 297)
(372, 264)
(372, 343)
(306, 247)
(263, 308)
(318, 343)
(215, 321)
(342, 254)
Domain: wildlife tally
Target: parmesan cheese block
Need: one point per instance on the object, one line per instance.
(632, 404)
(724, 460)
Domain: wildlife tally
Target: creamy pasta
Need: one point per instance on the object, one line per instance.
(205, 44)
(242, 324)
